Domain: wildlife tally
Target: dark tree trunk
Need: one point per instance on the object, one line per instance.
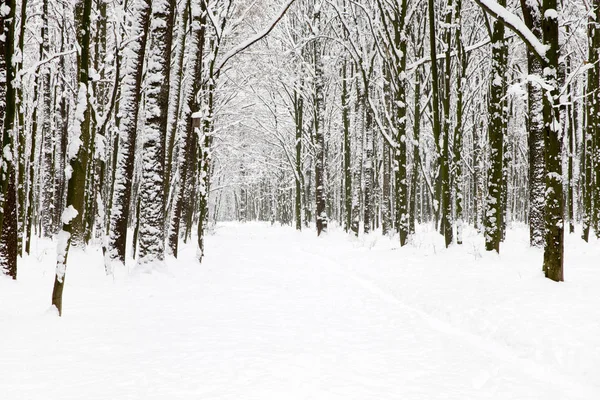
(8, 236)
(493, 210)
(537, 186)
(128, 125)
(347, 149)
(72, 216)
(554, 210)
(189, 151)
(299, 111)
(319, 121)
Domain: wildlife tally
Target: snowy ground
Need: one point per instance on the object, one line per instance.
(276, 314)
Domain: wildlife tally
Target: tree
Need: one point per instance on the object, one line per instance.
(493, 212)
(152, 195)
(72, 228)
(319, 121)
(532, 18)
(548, 51)
(8, 200)
(127, 123)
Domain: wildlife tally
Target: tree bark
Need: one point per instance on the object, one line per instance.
(152, 195)
(72, 215)
(127, 125)
(493, 210)
(554, 208)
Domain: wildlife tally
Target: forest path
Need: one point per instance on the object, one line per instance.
(270, 314)
(316, 329)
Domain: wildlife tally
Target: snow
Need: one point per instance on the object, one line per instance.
(277, 314)
(551, 13)
(515, 24)
(69, 214)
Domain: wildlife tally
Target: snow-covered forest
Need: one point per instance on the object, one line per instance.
(441, 156)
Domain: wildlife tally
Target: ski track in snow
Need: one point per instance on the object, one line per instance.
(276, 314)
(535, 370)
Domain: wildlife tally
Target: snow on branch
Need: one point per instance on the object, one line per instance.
(515, 24)
(256, 38)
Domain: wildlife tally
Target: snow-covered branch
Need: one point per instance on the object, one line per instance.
(256, 38)
(515, 24)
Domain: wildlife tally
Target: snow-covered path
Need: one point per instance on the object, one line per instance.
(272, 314)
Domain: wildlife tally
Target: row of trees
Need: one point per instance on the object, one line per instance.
(108, 122)
(502, 127)
(140, 114)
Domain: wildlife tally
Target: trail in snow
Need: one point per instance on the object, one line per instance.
(272, 314)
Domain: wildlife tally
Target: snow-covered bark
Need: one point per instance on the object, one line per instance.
(554, 206)
(77, 155)
(347, 166)
(299, 125)
(152, 196)
(591, 126)
(590, 129)
(416, 149)
(9, 233)
(532, 18)
(7, 97)
(188, 153)
(446, 192)
(21, 135)
(435, 106)
(8, 189)
(178, 93)
(319, 122)
(127, 122)
(493, 209)
(48, 134)
(461, 83)
(536, 157)
(368, 170)
(395, 36)
(595, 147)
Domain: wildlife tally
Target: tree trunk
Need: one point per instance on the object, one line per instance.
(435, 99)
(531, 15)
(72, 215)
(9, 233)
(189, 150)
(127, 125)
(458, 129)
(299, 114)
(321, 214)
(493, 210)
(7, 99)
(347, 149)
(152, 195)
(554, 209)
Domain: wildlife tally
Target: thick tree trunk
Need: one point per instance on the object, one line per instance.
(537, 185)
(493, 210)
(554, 210)
(128, 124)
(9, 233)
(48, 133)
(152, 195)
(7, 98)
(72, 215)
